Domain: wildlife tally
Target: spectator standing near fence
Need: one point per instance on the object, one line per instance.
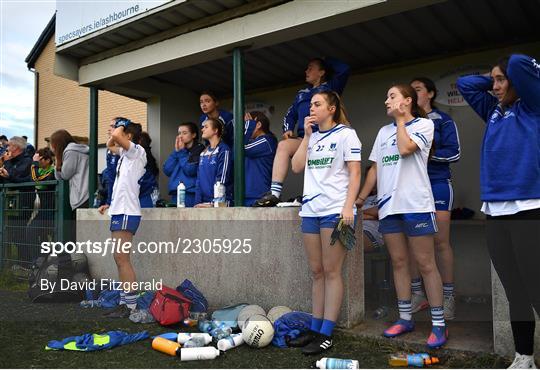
(16, 169)
(260, 148)
(125, 209)
(71, 163)
(321, 75)
(446, 150)
(215, 165)
(406, 207)
(510, 186)
(182, 164)
(331, 159)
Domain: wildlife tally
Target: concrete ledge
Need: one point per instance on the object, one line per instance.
(275, 272)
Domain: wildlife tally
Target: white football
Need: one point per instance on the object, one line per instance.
(276, 312)
(258, 331)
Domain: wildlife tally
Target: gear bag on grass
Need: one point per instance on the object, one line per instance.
(169, 306)
(62, 271)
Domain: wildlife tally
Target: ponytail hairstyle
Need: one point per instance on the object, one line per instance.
(151, 163)
(332, 99)
(408, 92)
(328, 71)
(217, 125)
(265, 122)
(135, 130)
(430, 87)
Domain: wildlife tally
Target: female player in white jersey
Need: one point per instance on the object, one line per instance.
(125, 209)
(406, 207)
(331, 159)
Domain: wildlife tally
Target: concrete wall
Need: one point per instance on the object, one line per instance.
(274, 273)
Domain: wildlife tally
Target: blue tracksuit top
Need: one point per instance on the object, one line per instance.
(214, 165)
(109, 174)
(510, 159)
(227, 119)
(182, 167)
(259, 159)
(447, 149)
(300, 107)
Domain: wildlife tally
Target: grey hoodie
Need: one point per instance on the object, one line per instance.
(75, 169)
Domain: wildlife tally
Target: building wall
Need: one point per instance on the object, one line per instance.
(62, 103)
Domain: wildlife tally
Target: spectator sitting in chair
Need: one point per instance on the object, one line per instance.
(17, 167)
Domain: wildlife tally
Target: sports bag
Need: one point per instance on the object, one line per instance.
(169, 306)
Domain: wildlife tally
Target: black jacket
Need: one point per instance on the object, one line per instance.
(18, 169)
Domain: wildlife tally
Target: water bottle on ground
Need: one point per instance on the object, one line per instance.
(384, 300)
(220, 331)
(196, 342)
(336, 363)
(234, 340)
(181, 195)
(206, 326)
(186, 337)
(415, 359)
(203, 353)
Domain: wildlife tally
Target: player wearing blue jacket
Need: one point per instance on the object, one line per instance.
(183, 163)
(215, 165)
(446, 150)
(321, 75)
(510, 186)
(209, 104)
(260, 148)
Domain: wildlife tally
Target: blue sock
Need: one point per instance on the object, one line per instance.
(316, 324)
(327, 327)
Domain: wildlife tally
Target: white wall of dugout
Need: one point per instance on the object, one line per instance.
(364, 98)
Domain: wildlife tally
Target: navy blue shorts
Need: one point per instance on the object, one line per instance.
(125, 222)
(410, 224)
(443, 194)
(313, 225)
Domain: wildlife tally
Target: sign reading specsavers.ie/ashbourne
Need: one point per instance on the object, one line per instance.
(75, 19)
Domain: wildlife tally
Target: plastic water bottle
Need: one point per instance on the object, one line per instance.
(336, 363)
(232, 341)
(186, 337)
(384, 299)
(415, 359)
(196, 342)
(181, 195)
(220, 331)
(206, 326)
(203, 353)
(219, 194)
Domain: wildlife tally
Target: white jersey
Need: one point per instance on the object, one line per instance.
(403, 184)
(130, 169)
(326, 178)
